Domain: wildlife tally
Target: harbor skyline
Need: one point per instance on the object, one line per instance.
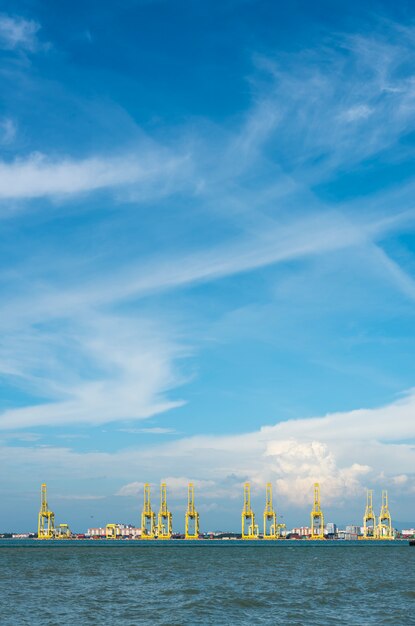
(207, 257)
(156, 520)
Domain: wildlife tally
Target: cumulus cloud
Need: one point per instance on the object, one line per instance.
(345, 452)
(295, 464)
(290, 454)
(298, 464)
(219, 465)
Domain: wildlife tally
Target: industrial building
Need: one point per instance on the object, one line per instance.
(122, 531)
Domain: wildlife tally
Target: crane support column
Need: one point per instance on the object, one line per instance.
(165, 518)
(369, 518)
(192, 516)
(148, 517)
(317, 517)
(249, 528)
(270, 516)
(385, 530)
(46, 519)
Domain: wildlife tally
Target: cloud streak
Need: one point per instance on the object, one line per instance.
(38, 176)
(130, 371)
(323, 112)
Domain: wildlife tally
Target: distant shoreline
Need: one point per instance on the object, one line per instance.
(12, 542)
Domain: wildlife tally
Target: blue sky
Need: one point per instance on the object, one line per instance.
(207, 256)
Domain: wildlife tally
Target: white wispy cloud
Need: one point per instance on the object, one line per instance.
(18, 33)
(339, 103)
(357, 112)
(133, 489)
(123, 354)
(402, 279)
(38, 176)
(281, 242)
(78, 497)
(7, 131)
(178, 486)
(391, 423)
(130, 369)
(135, 368)
(155, 430)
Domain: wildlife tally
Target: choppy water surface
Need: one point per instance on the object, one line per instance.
(178, 583)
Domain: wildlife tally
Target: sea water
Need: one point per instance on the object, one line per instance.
(178, 583)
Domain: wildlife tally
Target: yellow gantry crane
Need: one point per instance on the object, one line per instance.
(369, 518)
(148, 517)
(249, 528)
(62, 531)
(317, 517)
(270, 516)
(46, 520)
(165, 518)
(111, 531)
(384, 528)
(192, 516)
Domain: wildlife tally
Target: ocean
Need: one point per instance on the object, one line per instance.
(178, 583)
